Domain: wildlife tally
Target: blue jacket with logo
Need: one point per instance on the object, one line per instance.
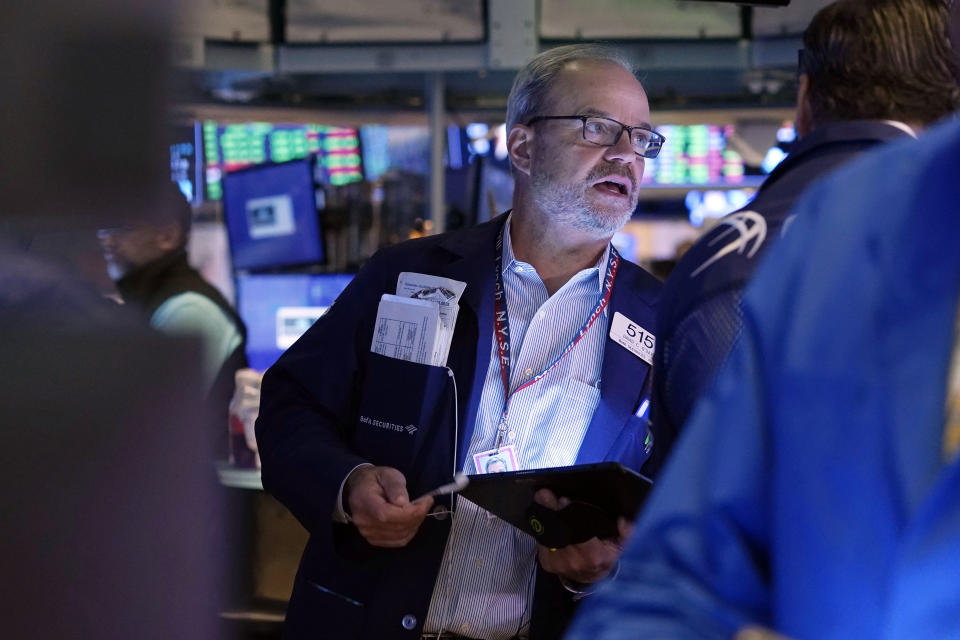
(699, 316)
(809, 493)
(323, 405)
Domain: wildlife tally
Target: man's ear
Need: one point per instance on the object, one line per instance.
(804, 119)
(169, 236)
(519, 145)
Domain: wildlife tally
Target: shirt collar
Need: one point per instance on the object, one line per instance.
(510, 260)
(903, 127)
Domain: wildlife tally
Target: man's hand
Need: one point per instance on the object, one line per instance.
(380, 507)
(758, 633)
(586, 562)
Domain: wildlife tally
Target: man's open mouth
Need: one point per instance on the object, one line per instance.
(612, 187)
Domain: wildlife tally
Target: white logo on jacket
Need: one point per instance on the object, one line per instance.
(748, 227)
(389, 426)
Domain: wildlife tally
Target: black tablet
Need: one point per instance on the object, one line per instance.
(599, 494)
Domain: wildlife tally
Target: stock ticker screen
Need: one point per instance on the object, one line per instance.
(695, 155)
(228, 147)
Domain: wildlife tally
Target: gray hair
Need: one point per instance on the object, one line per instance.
(532, 84)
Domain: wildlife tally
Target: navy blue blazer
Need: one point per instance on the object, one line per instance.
(699, 315)
(310, 435)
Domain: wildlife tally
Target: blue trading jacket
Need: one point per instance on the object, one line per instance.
(808, 492)
(699, 316)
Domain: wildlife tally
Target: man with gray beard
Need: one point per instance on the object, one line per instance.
(537, 377)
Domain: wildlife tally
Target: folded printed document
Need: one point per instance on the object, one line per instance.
(417, 323)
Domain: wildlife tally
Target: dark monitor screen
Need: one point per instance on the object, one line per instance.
(278, 308)
(271, 216)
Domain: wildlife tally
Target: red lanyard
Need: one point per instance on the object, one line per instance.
(501, 327)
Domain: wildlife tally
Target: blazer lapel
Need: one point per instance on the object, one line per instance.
(472, 339)
(624, 376)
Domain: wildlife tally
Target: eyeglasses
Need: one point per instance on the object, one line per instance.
(606, 132)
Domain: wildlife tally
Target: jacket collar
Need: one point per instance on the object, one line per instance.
(844, 132)
(474, 264)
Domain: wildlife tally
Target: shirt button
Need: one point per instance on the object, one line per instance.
(408, 622)
(511, 435)
(528, 372)
(479, 562)
(542, 315)
(464, 627)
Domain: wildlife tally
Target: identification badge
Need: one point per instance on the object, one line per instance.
(496, 460)
(633, 337)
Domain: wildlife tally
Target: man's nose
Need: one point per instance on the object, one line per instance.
(621, 151)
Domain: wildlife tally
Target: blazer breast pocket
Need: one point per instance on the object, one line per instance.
(406, 418)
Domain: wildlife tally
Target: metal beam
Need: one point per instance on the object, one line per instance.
(373, 58)
(231, 56)
(511, 45)
(511, 25)
(437, 117)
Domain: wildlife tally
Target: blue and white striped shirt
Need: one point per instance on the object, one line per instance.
(485, 585)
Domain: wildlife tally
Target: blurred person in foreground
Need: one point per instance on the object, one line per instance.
(871, 71)
(816, 489)
(106, 490)
(546, 280)
(147, 259)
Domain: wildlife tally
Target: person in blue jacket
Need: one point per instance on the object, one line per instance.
(349, 439)
(816, 489)
(870, 72)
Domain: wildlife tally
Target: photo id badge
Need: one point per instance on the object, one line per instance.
(496, 460)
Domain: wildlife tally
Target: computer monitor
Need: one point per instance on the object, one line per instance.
(279, 308)
(271, 216)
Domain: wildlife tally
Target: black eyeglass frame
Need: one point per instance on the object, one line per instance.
(655, 137)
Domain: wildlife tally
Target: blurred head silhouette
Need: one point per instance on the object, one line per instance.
(162, 228)
(84, 111)
(877, 60)
(106, 492)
